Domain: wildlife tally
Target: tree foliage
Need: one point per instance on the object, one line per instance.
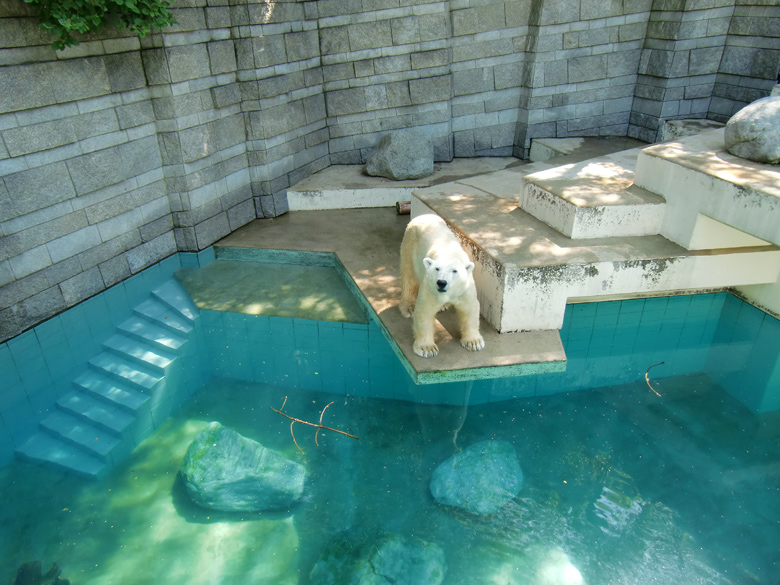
(64, 17)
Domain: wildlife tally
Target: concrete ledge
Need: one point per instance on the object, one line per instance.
(596, 198)
(697, 175)
(364, 244)
(349, 187)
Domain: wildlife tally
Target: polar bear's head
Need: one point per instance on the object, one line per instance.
(447, 275)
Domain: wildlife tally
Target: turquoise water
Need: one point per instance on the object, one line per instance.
(621, 486)
(624, 483)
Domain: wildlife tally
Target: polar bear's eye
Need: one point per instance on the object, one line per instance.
(454, 271)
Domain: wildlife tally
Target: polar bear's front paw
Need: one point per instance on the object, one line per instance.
(405, 309)
(473, 344)
(425, 350)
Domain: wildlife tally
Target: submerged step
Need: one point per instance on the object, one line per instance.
(140, 352)
(43, 448)
(124, 371)
(161, 337)
(96, 442)
(97, 412)
(112, 391)
(172, 294)
(164, 316)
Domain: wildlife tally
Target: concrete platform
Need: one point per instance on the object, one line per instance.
(366, 244)
(532, 257)
(349, 187)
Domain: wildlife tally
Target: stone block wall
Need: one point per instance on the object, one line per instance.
(751, 55)
(118, 152)
(704, 59)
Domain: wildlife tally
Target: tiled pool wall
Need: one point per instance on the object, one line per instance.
(607, 343)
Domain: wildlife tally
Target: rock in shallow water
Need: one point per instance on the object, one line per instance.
(481, 479)
(754, 132)
(400, 155)
(225, 471)
(388, 560)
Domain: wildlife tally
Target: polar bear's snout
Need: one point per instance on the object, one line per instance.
(442, 285)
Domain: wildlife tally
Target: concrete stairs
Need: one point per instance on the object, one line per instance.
(113, 404)
(567, 229)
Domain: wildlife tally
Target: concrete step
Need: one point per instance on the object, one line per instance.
(596, 198)
(46, 449)
(577, 148)
(113, 392)
(348, 186)
(129, 373)
(133, 350)
(96, 442)
(163, 316)
(98, 413)
(716, 185)
(160, 337)
(172, 294)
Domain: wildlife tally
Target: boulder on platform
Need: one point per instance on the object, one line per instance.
(225, 471)
(754, 132)
(481, 479)
(402, 154)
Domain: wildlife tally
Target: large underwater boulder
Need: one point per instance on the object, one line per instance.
(402, 154)
(225, 471)
(481, 479)
(388, 560)
(754, 132)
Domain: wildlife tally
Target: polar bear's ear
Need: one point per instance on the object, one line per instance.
(469, 267)
(428, 262)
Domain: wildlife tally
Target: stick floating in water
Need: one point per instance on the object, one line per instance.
(647, 377)
(317, 426)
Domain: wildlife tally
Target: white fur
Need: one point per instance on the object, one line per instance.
(436, 274)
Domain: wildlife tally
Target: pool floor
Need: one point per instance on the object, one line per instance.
(621, 486)
(280, 290)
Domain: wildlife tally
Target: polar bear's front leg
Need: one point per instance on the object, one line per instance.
(423, 330)
(468, 320)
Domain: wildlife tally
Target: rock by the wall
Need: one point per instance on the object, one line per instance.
(754, 132)
(481, 479)
(225, 471)
(400, 155)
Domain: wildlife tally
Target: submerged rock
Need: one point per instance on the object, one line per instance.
(32, 574)
(481, 479)
(392, 559)
(225, 471)
(754, 132)
(402, 154)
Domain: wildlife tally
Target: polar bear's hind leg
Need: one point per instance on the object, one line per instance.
(409, 282)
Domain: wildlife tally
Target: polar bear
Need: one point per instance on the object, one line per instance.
(436, 274)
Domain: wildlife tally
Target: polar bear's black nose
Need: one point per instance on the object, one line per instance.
(442, 284)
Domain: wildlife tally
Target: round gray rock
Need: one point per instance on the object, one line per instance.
(754, 132)
(402, 154)
(481, 479)
(388, 560)
(225, 471)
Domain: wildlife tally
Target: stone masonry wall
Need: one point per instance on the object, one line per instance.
(118, 152)
(751, 54)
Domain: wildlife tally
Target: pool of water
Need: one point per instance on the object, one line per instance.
(621, 486)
